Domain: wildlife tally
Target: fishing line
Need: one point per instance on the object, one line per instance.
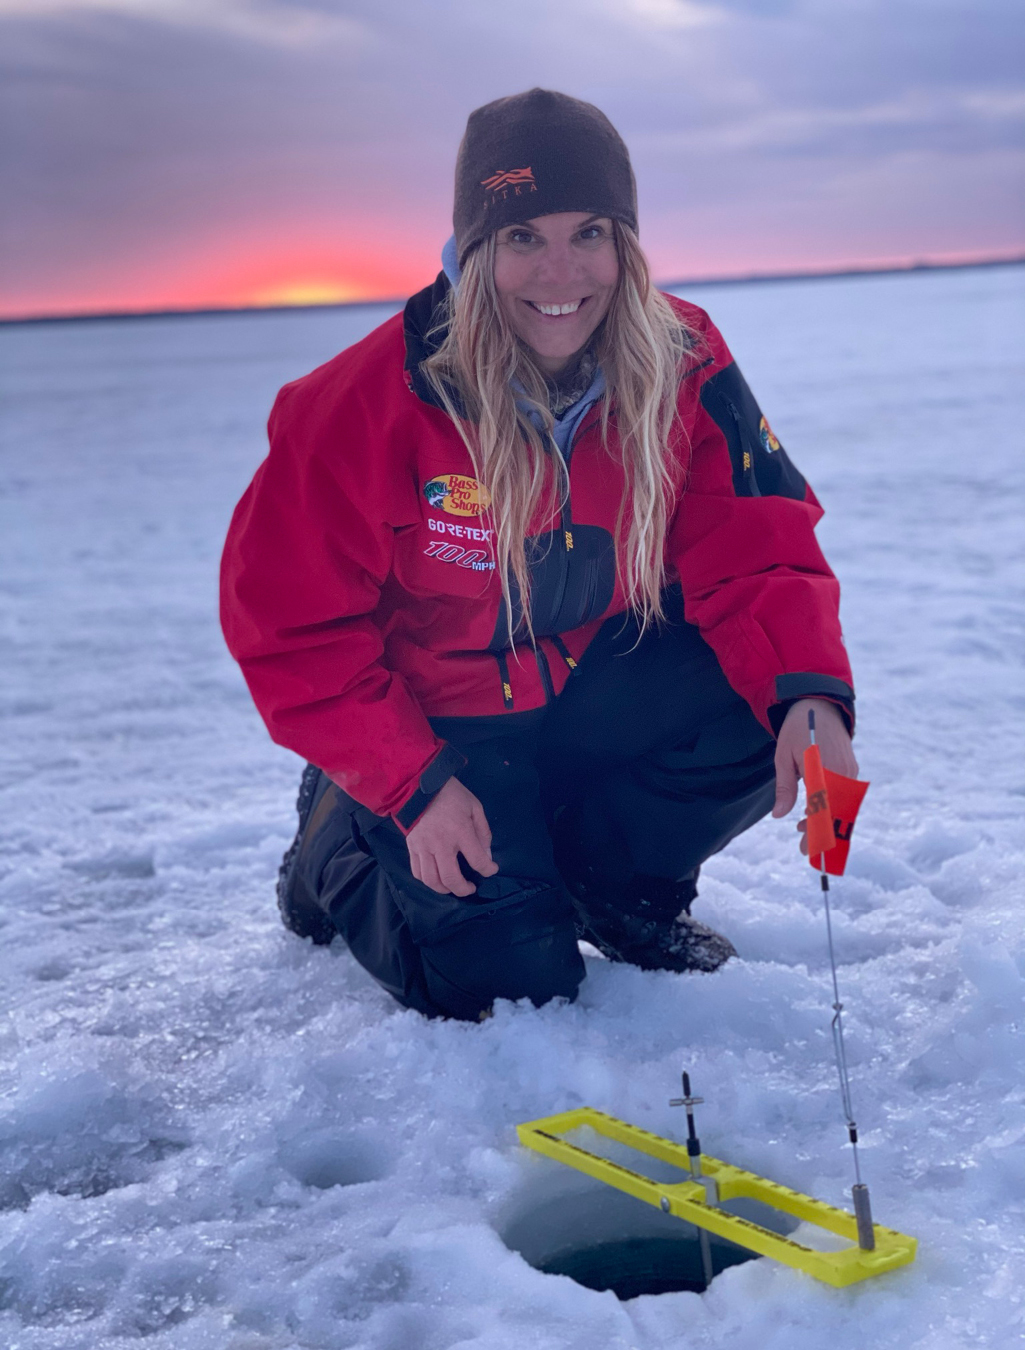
(859, 1192)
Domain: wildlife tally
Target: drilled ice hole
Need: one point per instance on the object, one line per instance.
(563, 1222)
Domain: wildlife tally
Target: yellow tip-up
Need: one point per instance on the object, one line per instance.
(689, 1199)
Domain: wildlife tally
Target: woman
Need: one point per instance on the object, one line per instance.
(529, 581)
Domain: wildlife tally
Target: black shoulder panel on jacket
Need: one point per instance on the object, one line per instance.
(761, 467)
(424, 334)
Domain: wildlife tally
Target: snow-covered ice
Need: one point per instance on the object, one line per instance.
(214, 1136)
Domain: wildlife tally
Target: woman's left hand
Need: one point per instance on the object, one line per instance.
(834, 745)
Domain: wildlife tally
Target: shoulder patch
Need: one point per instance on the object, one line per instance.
(768, 440)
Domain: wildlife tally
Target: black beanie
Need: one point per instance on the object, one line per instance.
(536, 153)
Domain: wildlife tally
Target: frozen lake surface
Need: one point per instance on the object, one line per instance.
(215, 1137)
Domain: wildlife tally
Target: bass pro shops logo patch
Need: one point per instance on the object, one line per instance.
(765, 435)
(457, 494)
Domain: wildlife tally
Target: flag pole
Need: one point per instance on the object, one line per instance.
(859, 1192)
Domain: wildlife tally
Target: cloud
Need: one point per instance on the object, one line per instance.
(148, 137)
(277, 23)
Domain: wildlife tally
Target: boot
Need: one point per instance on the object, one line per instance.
(299, 909)
(649, 924)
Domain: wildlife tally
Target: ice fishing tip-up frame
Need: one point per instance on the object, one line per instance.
(696, 1201)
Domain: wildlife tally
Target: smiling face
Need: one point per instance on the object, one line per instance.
(555, 278)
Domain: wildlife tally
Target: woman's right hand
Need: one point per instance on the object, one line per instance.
(454, 823)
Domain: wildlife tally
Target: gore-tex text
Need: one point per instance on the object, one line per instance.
(460, 531)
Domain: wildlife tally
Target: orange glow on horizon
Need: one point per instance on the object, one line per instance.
(265, 274)
(288, 274)
(318, 275)
(308, 292)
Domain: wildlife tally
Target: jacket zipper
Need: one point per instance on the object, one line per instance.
(566, 545)
(545, 671)
(566, 526)
(563, 651)
(503, 670)
(748, 459)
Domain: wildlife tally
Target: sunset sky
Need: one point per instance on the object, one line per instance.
(187, 153)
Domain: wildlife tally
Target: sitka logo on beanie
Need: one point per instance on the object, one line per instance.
(577, 162)
(516, 180)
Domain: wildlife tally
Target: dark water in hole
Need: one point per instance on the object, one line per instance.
(643, 1265)
(562, 1223)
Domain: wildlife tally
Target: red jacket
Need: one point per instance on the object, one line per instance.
(358, 588)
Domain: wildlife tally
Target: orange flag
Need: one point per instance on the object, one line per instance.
(833, 805)
(845, 798)
(820, 819)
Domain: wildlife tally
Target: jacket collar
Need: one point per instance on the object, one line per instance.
(420, 318)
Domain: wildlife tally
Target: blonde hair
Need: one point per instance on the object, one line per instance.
(640, 347)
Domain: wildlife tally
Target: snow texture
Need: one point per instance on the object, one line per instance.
(216, 1137)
